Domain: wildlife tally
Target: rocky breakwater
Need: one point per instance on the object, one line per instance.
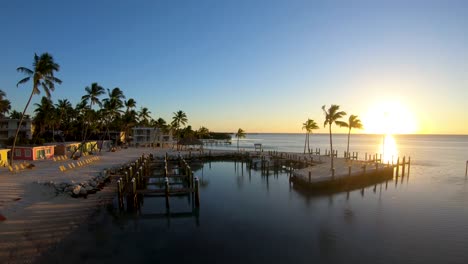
(81, 189)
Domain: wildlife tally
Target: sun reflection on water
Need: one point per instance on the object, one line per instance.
(388, 147)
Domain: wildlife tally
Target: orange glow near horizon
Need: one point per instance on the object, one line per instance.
(390, 117)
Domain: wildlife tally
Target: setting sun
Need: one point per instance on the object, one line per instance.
(390, 117)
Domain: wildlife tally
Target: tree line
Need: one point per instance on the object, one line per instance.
(99, 112)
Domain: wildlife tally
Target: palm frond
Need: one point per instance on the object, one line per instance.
(25, 80)
(341, 123)
(24, 70)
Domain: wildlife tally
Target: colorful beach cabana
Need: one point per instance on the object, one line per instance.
(4, 157)
(34, 152)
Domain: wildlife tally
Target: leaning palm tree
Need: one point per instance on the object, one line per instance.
(353, 122)
(240, 134)
(42, 75)
(309, 125)
(331, 116)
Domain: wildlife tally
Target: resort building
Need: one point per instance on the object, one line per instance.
(34, 152)
(8, 129)
(150, 137)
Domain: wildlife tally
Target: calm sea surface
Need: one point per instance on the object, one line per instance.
(249, 218)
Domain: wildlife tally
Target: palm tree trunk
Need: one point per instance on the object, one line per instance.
(18, 128)
(238, 143)
(308, 142)
(331, 148)
(349, 134)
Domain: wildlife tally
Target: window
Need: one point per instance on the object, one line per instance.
(27, 153)
(17, 152)
(47, 151)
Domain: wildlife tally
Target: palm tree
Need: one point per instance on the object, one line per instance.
(42, 76)
(112, 106)
(203, 132)
(130, 104)
(309, 125)
(179, 118)
(332, 116)
(17, 115)
(5, 104)
(161, 124)
(44, 112)
(353, 122)
(240, 134)
(144, 116)
(92, 95)
(64, 113)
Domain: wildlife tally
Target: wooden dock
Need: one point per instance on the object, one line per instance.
(142, 178)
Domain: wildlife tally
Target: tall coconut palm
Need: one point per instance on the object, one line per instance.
(353, 122)
(179, 118)
(240, 134)
(309, 125)
(43, 76)
(92, 96)
(112, 106)
(331, 116)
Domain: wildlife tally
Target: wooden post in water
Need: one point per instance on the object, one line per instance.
(397, 166)
(119, 188)
(364, 168)
(409, 164)
(133, 186)
(403, 168)
(366, 157)
(166, 181)
(349, 170)
(197, 193)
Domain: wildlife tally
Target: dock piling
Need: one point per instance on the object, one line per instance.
(397, 167)
(403, 168)
(197, 192)
(166, 182)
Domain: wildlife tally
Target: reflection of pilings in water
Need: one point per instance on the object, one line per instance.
(466, 169)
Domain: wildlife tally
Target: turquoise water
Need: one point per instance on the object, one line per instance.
(249, 218)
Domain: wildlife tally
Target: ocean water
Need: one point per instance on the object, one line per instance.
(246, 217)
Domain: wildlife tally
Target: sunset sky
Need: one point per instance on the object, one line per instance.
(264, 66)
